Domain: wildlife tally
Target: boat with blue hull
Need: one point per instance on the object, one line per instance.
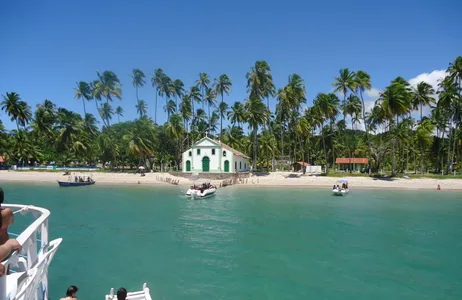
(73, 183)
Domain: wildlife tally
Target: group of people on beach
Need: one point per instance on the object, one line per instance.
(7, 245)
(71, 293)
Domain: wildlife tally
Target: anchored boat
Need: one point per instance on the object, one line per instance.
(79, 181)
(70, 183)
(340, 188)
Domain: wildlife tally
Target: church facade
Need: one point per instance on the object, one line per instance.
(208, 155)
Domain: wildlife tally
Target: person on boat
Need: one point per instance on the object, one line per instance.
(5, 250)
(6, 219)
(122, 294)
(70, 293)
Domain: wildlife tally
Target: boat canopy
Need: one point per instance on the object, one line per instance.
(342, 181)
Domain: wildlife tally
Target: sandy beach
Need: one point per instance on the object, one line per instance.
(272, 179)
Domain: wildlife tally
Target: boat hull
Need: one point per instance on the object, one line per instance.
(197, 194)
(70, 183)
(341, 192)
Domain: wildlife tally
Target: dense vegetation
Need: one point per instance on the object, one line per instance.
(317, 134)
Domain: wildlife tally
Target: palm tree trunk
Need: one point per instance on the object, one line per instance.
(454, 143)
(155, 109)
(450, 135)
(254, 148)
(221, 120)
(332, 143)
(324, 146)
(84, 109)
(438, 149)
(421, 112)
(367, 131)
(395, 141)
(442, 155)
(97, 109)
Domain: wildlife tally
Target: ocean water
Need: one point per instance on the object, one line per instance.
(252, 243)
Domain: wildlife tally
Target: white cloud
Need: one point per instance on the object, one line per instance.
(432, 78)
(373, 93)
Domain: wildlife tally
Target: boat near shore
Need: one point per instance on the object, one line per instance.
(340, 188)
(201, 191)
(71, 183)
(78, 181)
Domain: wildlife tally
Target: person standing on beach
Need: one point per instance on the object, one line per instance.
(70, 293)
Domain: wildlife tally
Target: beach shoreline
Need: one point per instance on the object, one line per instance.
(278, 179)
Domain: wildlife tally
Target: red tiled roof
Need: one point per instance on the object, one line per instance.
(356, 160)
(305, 164)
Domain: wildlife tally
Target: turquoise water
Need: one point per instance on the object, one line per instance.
(252, 243)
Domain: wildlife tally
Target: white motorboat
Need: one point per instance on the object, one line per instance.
(202, 188)
(340, 188)
(144, 294)
(198, 193)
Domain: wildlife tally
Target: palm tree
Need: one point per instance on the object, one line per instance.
(396, 102)
(186, 113)
(222, 86)
(138, 81)
(326, 108)
(223, 111)
(210, 98)
(17, 109)
(195, 96)
(343, 83)
(175, 130)
(83, 92)
(119, 112)
(108, 86)
(450, 106)
(170, 108)
(178, 90)
(107, 112)
(203, 84)
(352, 107)
(422, 95)
(363, 83)
(142, 108)
(424, 138)
(237, 114)
(257, 115)
(260, 81)
(156, 81)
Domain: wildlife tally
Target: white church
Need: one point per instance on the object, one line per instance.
(208, 155)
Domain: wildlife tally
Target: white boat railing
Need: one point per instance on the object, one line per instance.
(144, 294)
(34, 260)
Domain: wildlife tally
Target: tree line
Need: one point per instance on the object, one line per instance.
(316, 134)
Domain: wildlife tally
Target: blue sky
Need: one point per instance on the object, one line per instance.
(47, 46)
